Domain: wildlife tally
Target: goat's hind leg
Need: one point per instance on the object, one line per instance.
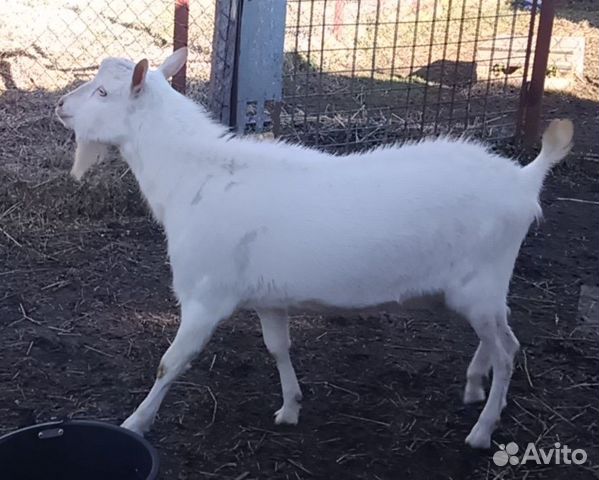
(477, 372)
(487, 327)
(510, 344)
(197, 326)
(482, 302)
(275, 330)
(480, 366)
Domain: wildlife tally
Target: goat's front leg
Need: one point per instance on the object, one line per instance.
(197, 325)
(275, 330)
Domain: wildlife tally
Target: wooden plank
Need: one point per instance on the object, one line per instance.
(566, 54)
(503, 60)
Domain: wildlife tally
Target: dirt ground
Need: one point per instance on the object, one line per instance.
(86, 311)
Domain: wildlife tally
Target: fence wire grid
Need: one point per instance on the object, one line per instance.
(50, 44)
(363, 72)
(356, 73)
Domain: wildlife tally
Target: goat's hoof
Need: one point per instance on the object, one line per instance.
(287, 415)
(479, 437)
(474, 395)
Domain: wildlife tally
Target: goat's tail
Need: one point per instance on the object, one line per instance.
(557, 142)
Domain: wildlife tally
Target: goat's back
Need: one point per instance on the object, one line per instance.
(290, 225)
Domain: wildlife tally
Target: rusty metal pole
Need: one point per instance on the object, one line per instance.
(180, 36)
(534, 100)
(338, 19)
(525, 81)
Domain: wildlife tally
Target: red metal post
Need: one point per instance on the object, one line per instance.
(338, 20)
(525, 82)
(539, 71)
(180, 37)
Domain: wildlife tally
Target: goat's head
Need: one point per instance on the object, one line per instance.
(99, 111)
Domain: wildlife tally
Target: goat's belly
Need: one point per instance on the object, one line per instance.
(343, 294)
(423, 301)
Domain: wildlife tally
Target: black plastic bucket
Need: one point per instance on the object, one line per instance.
(76, 450)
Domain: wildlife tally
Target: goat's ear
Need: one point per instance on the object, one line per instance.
(139, 76)
(174, 62)
(87, 154)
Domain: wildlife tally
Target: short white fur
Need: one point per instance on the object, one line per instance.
(279, 228)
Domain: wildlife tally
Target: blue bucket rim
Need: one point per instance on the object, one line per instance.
(94, 423)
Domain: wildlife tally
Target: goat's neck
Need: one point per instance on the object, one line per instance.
(160, 169)
(164, 149)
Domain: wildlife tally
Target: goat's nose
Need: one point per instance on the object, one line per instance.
(61, 102)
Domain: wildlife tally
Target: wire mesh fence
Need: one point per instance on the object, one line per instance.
(356, 73)
(361, 72)
(49, 44)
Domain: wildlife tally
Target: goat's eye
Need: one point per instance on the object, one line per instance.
(102, 92)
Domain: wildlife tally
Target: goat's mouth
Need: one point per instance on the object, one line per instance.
(63, 117)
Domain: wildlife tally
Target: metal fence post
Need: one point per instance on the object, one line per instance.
(224, 48)
(180, 36)
(259, 66)
(247, 62)
(338, 21)
(534, 99)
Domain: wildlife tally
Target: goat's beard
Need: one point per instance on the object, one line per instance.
(87, 154)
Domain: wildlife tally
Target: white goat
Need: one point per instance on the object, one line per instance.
(276, 227)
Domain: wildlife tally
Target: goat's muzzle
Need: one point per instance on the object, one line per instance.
(60, 113)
